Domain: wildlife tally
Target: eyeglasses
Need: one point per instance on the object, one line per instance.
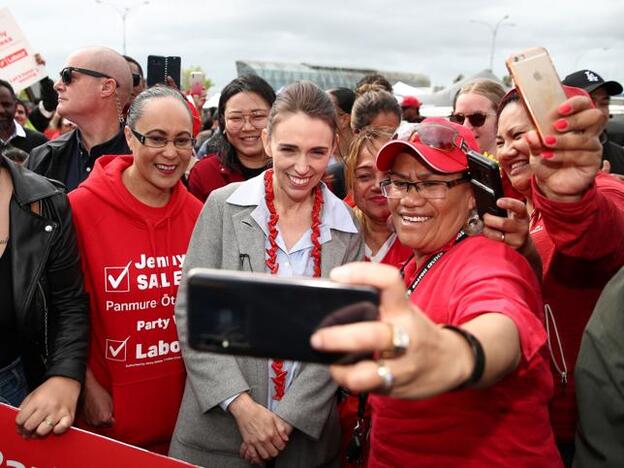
(136, 79)
(66, 74)
(428, 189)
(434, 135)
(476, 119)
(157, 141)
(256, 119)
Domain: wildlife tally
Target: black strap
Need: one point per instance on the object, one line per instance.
(477, 353)
(461, 235)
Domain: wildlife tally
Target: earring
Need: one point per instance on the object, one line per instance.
(473, 224)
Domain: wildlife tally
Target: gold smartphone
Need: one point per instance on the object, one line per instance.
(539, 87)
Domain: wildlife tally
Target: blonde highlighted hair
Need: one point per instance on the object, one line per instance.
(490, 89)
(369, 138)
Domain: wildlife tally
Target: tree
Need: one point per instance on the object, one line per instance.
(186, 77)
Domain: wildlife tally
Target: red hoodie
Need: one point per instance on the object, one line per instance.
(581, 246)
(131, 257)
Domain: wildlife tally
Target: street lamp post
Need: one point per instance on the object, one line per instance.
(494, 30)
(123, 12)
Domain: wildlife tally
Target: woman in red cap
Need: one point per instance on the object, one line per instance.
(464, 354)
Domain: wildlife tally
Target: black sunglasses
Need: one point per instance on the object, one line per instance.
(476, 119)
(136, 79)
(66, 74)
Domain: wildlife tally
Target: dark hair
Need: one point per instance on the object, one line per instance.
(305, 97)
(370, 104)
(23, 104)
(345, 98)
(374, 79)
(511, 96)
(248, 83)
(7, 85)
(130, 59)
(135, 112)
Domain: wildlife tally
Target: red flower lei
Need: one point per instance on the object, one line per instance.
(279, 379)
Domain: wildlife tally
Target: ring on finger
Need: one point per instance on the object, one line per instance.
(400, 342)
(387, 378)
(49, 422)
(502, 237)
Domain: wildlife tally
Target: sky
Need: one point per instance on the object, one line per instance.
(440, 38)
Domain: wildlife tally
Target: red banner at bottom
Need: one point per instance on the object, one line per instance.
(75, 448)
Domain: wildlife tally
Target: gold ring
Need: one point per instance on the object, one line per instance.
(386, 376)
(48, 422)
(400, 342)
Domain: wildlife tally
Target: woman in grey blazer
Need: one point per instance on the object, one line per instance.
(239, 410)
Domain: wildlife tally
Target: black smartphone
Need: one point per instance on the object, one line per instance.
(261, 315)
(158, 68)
(486, 184)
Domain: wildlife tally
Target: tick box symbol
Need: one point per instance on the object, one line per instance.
(116, 349)
(117, 279)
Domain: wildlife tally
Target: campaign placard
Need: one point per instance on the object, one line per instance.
(17, 61)
(76, 448)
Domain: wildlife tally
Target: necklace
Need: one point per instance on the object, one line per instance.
(279, 377)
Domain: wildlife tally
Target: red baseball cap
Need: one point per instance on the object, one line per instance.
(410, 101)
(441, 144)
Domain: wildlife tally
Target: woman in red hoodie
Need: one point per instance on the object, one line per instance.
(134, 219)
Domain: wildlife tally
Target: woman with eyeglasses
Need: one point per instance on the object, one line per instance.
(242, 114)
(240, 410)
(134, 219)
(462, 374)
(381, 243)
(575, 217)
(475, 107)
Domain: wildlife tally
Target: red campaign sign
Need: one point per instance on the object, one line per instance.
(12, 58)
(76, 448)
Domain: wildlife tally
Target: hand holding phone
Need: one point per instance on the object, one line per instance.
(539, 87)
(486, 183)
(261, 315)
(159, 68)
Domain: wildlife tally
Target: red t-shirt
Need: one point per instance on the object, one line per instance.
(504, 425)
(132, 257)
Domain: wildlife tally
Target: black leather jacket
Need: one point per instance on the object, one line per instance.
(50, 304)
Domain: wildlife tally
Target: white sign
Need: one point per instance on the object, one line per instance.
(17, 60)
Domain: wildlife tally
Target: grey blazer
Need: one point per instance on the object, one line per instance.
(207, 435)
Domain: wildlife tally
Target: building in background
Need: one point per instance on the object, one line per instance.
(280, 74)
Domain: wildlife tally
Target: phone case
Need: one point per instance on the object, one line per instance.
(486, 183)
(539, 86)
(158, 68)
(261, 315)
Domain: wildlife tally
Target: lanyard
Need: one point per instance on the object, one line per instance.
(461, 235)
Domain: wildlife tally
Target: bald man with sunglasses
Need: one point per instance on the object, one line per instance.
(93, 88)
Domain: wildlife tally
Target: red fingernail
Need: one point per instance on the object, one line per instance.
(547, 154)
(561, 124)
(550, 139)
(565, 109)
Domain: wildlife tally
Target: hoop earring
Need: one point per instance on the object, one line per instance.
(474, 224)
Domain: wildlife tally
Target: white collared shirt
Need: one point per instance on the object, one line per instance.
(296, 261)
(18, 131)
